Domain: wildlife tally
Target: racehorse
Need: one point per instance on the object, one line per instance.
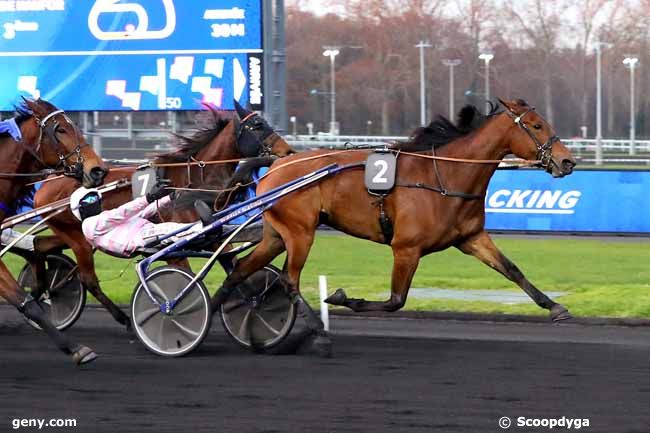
(436, 203)
(246, 135)
(42, 137)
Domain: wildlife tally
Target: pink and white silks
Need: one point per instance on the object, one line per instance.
(124, 229)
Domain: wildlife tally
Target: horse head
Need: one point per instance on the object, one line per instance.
(255, 137)
(534, 138)
(56, 142)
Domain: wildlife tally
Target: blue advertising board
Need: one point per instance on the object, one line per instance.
(606, 201)
(131, 54)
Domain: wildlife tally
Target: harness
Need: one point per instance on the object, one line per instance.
(544, 155)
(544, 150)
(48, 126)
(252, 135)
(70, 170)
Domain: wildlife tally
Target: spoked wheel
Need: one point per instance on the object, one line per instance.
(64, 296)
(185, 327)
(259, 314)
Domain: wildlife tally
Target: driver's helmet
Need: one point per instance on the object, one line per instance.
(85, 202)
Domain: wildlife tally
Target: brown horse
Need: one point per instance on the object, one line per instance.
(49, 140)
(246, 135)
(423, 219)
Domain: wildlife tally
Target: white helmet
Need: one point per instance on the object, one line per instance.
(78, 196)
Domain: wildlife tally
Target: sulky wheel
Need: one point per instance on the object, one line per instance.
(64, 296)
(259, 313)
(185, 327)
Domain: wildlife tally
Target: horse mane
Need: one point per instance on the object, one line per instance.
(233, 186)
(442, 131)
(22, 113)
(187, 146)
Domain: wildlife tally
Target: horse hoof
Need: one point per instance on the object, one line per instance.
(84, 355)
(337, 298)
(560, 313)
(322, 346)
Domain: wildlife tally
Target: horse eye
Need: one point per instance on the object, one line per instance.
(537, 126)
(60, 130)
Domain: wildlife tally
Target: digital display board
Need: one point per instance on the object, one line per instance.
(86, 55)
(606, 201)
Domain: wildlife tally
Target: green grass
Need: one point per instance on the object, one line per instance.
(601, 278)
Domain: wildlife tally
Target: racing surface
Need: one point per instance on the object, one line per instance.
(387, 375)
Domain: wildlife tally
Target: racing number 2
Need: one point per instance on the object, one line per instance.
(380, 177)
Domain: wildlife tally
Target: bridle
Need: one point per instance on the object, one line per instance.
(544, 150)
(48, 126)
(252, 136)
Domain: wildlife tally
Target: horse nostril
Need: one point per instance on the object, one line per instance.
(98, 174)
(568, 164)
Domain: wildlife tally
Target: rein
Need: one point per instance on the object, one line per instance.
(46, 172)
(50, 131)
(544, 150)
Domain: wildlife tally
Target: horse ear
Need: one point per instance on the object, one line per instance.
(241, 111)
(30, 104)
(236, 120)
(506, 104)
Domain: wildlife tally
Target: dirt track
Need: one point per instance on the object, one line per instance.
(455, 377)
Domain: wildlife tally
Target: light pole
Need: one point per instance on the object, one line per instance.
(599, 102)
(423, 98)
(452, 63)
(631, 62)
(292, 119)
(487, 57)
(332, 52)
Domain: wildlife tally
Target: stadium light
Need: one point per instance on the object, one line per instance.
(451, 63)
(332, 52)
(487, 57)
(599, 101)
(423, 98)
(631, 62)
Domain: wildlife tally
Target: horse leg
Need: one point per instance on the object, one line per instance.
(269, 248)
(31, 308)
(84, 254)
(180, 262)
(298, 243)
(482, 247)
(405, 263)
(36, 262)
(88, 277)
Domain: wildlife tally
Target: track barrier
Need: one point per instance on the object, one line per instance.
(324, 311)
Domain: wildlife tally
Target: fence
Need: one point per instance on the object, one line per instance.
(138, 143)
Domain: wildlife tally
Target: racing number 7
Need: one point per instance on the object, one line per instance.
(144, 177)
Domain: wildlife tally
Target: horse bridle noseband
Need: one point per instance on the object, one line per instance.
(544, 150)
(71, 170)
(258, 130)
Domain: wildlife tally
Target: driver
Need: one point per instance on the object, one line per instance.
(123, 230)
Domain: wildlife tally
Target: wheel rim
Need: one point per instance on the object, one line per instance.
(179, 332)
(64, 298)
(259, 313)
